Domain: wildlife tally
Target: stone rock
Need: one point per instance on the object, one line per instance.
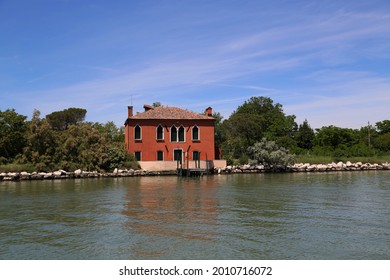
(245, 167)
(322, 167)
(25, 175)
(311, 167)
(48, 176)
(78, 172)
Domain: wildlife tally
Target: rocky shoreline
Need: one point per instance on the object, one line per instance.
(62, 174)
(298, 167)
(306, 167)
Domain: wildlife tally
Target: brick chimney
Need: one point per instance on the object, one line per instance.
(129, 111)
(148, 107)
(209, 112)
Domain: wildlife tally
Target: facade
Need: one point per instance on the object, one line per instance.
(170, 134)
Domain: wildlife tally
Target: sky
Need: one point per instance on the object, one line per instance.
(324, 61)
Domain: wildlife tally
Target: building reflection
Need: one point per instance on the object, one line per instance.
(172, 207)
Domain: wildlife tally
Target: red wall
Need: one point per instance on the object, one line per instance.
(149, 146)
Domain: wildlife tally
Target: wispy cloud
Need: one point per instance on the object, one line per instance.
(308, 58)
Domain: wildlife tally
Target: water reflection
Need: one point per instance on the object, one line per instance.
(172, 209)
(263, 216)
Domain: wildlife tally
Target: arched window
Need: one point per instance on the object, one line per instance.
(173, 134)
(195, 133)
(137, 132)
(181, 134)
(160, 132)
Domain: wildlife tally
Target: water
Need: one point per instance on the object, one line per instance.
(342, 215)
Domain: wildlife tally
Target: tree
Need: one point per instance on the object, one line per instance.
(219, 132)
(383, 126)
(340, 142)
(84, 147)
(42, 144)
(110, 131)
(257, 118)
(382, 142)
(12, 133)
(305, 136)
(60, 120)
(270, 154)
(156, 104)
(333, 136)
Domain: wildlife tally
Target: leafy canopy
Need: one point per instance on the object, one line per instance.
(61, 120)
(12, 133)
(257, 118)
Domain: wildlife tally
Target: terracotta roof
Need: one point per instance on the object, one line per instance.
(169, 113)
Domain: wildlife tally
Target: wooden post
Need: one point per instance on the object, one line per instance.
(207, 165)
(188, 166)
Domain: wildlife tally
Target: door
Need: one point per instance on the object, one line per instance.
(177, 155)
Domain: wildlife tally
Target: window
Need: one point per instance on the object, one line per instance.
(173, 134)
(137, 155)
(137, 132)
(177, 135)
(160, 155)
(195, 133)
(196, 155)
(160, 132)
(181, 134)
(177, 154)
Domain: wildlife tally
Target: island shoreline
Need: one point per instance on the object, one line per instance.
(247, 169)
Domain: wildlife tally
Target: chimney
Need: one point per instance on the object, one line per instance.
(129, 111)
(148, 107)
(209, 112)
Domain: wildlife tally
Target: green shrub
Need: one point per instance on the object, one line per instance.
(270, 154)
(243, 159)
(14, 167)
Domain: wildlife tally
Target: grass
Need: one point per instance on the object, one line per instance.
(13, 167)
(325, 159)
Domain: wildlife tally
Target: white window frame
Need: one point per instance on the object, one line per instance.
(170, 133)
(140, 132)
(192, 133)
(184, 134)
(162, 139)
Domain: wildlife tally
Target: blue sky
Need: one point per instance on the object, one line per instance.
(324, 61)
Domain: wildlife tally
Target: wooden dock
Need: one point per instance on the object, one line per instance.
(191, 172)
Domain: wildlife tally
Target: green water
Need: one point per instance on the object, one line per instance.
(342, 215)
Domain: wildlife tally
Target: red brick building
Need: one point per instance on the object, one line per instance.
(170, 134)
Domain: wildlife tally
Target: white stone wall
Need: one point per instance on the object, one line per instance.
(172, 165)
